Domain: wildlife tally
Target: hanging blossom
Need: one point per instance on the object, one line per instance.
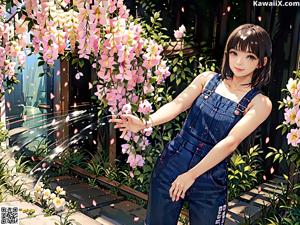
(101, 31)
(292, 111)
(12, 45)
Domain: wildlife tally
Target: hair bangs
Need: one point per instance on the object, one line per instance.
(245, 40)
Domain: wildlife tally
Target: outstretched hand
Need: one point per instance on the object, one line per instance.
(128, 122)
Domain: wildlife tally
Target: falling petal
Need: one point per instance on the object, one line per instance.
(52, 96)
(67, 118)
(57, 134)
(272, 170)
(136, 218)
(90, 85)
(78, 75)
(66, 84)
(94, 203)
(58, 72)
(76, 131)
(131, 174)
(228, 8)
(8, 104)
(94, 142)
(259, 189)
(64, 69)
(182, 9)
(53, 122)
(264, 177)
(267, 140)
(75, 105)
(82, 206)
(44, 165)
(259, 18)
(112, 141)
(112, 205)
(32, 158)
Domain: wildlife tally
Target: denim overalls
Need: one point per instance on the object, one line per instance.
(210, 119)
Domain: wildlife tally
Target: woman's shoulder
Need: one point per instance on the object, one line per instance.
(262, 101)
(207, 76)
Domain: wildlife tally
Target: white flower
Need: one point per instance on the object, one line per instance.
(59, 204)
(60, 191)
(38, 191)
(53, 196)
(46, 194)
(182, 28)
(292, 85)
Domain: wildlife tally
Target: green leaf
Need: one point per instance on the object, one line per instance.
(41, 63)
(81, 63)
(152, 19)
(175, 61)
(175, 69)
(74, 61)
(180, 53)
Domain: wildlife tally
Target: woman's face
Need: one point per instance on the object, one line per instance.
(242, 63)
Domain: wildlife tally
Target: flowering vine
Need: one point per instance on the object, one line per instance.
(292, 111)
(128, 63)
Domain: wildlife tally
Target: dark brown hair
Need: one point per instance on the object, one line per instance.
(254, 39)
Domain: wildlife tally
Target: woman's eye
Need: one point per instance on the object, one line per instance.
(232, 52)
(251, 57)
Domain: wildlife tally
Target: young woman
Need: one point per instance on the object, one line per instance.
(225, 109)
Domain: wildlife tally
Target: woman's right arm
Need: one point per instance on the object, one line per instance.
(168, 111)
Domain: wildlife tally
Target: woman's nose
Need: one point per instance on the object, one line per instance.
(239, 60)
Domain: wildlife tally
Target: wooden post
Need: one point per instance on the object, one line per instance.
(112, 145)
(65, 94)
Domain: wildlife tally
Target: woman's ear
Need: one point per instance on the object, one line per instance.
(265, 62)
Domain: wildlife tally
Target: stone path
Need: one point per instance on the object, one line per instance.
(101, 207)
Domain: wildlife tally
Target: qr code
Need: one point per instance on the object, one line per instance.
(9, 215)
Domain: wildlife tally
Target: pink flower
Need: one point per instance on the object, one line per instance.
(293, 137)
(162, 72)
(290, 115)
(125, 148)
(126, 108)
(135, 160)
(297, 119)
(180, 33)
(145, 107)
(148, 88)
(148, 131)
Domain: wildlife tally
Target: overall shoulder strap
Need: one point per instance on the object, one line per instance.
(243, 104)
(212, 84)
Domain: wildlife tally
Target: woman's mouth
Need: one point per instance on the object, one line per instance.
(238, 69)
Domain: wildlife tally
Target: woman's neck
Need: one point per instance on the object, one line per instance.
(238, 83)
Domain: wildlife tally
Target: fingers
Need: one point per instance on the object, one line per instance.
(119, 122)
(176, 191)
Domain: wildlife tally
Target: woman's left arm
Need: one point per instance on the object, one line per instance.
(258, 113)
